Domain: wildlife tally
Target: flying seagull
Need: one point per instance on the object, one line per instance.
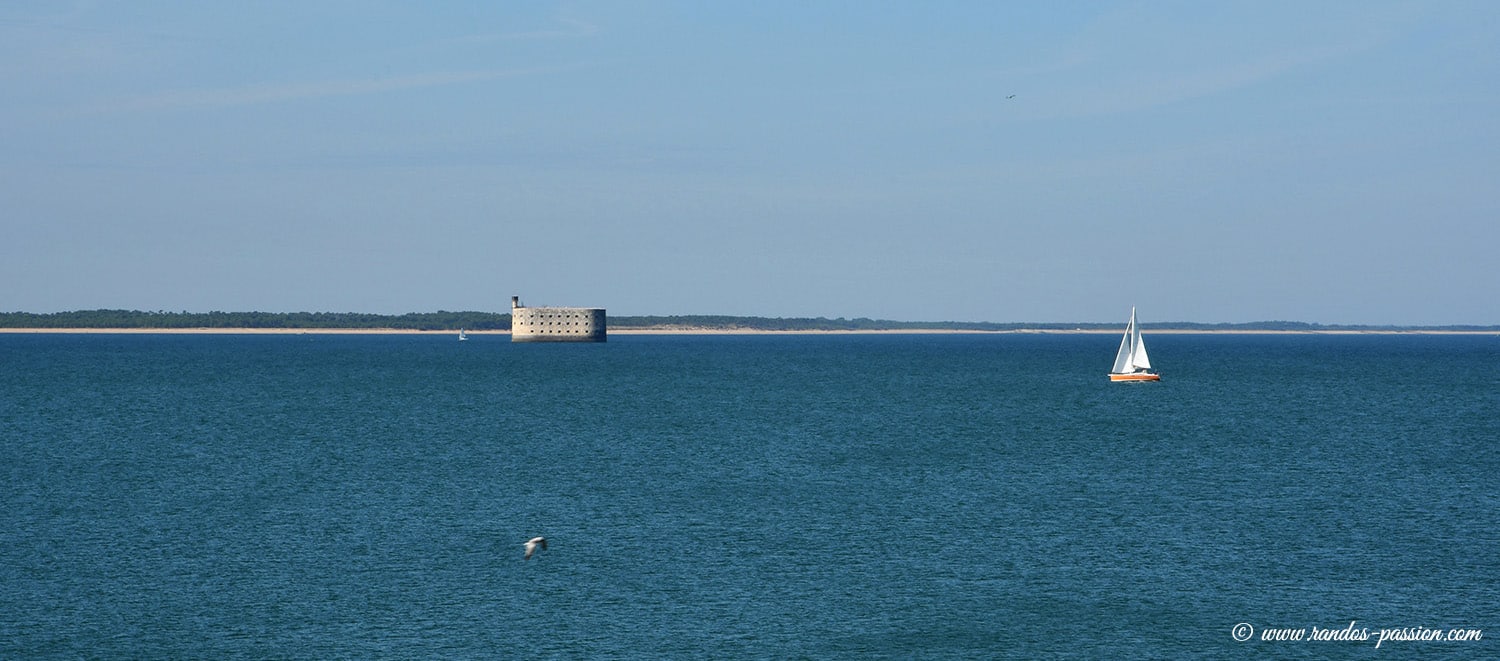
(532, 544)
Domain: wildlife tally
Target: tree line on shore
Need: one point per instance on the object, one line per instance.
(135, 319)
(482, 321)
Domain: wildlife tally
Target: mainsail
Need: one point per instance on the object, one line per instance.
(1132, 355)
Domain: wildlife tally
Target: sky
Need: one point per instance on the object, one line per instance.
(1230, 161)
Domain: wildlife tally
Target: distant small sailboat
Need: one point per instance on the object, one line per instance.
(1131, 362)
(461, 335)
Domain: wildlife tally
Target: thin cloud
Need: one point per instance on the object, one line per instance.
(1158, 89)
(1111, 67)
(53, 20)
(281, 93)
(573, 30)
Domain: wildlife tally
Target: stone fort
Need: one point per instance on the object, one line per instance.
(554, 324)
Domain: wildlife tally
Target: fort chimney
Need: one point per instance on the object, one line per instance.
(515, 302)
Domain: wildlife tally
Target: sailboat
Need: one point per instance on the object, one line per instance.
(1131, 363)
(461, 335)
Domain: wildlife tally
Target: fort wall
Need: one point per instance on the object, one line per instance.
(555, 324)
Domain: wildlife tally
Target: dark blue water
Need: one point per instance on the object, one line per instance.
(922, 496)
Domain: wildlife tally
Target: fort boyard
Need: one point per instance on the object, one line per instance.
(554, 324)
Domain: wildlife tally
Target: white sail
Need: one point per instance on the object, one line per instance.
(1138, 358)
(1122, 357)
(1132, 354)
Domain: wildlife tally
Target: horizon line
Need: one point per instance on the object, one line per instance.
(1160, 325)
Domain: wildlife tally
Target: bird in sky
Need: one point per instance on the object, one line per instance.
(532, 545)
(1011, 96)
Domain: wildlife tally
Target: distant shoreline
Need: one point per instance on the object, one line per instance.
(135, 321)
(719, 331)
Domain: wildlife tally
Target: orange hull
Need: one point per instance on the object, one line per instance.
(1142, 376)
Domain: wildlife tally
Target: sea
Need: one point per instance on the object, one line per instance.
(838, 496)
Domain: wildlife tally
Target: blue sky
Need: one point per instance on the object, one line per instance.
(1331, 162)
